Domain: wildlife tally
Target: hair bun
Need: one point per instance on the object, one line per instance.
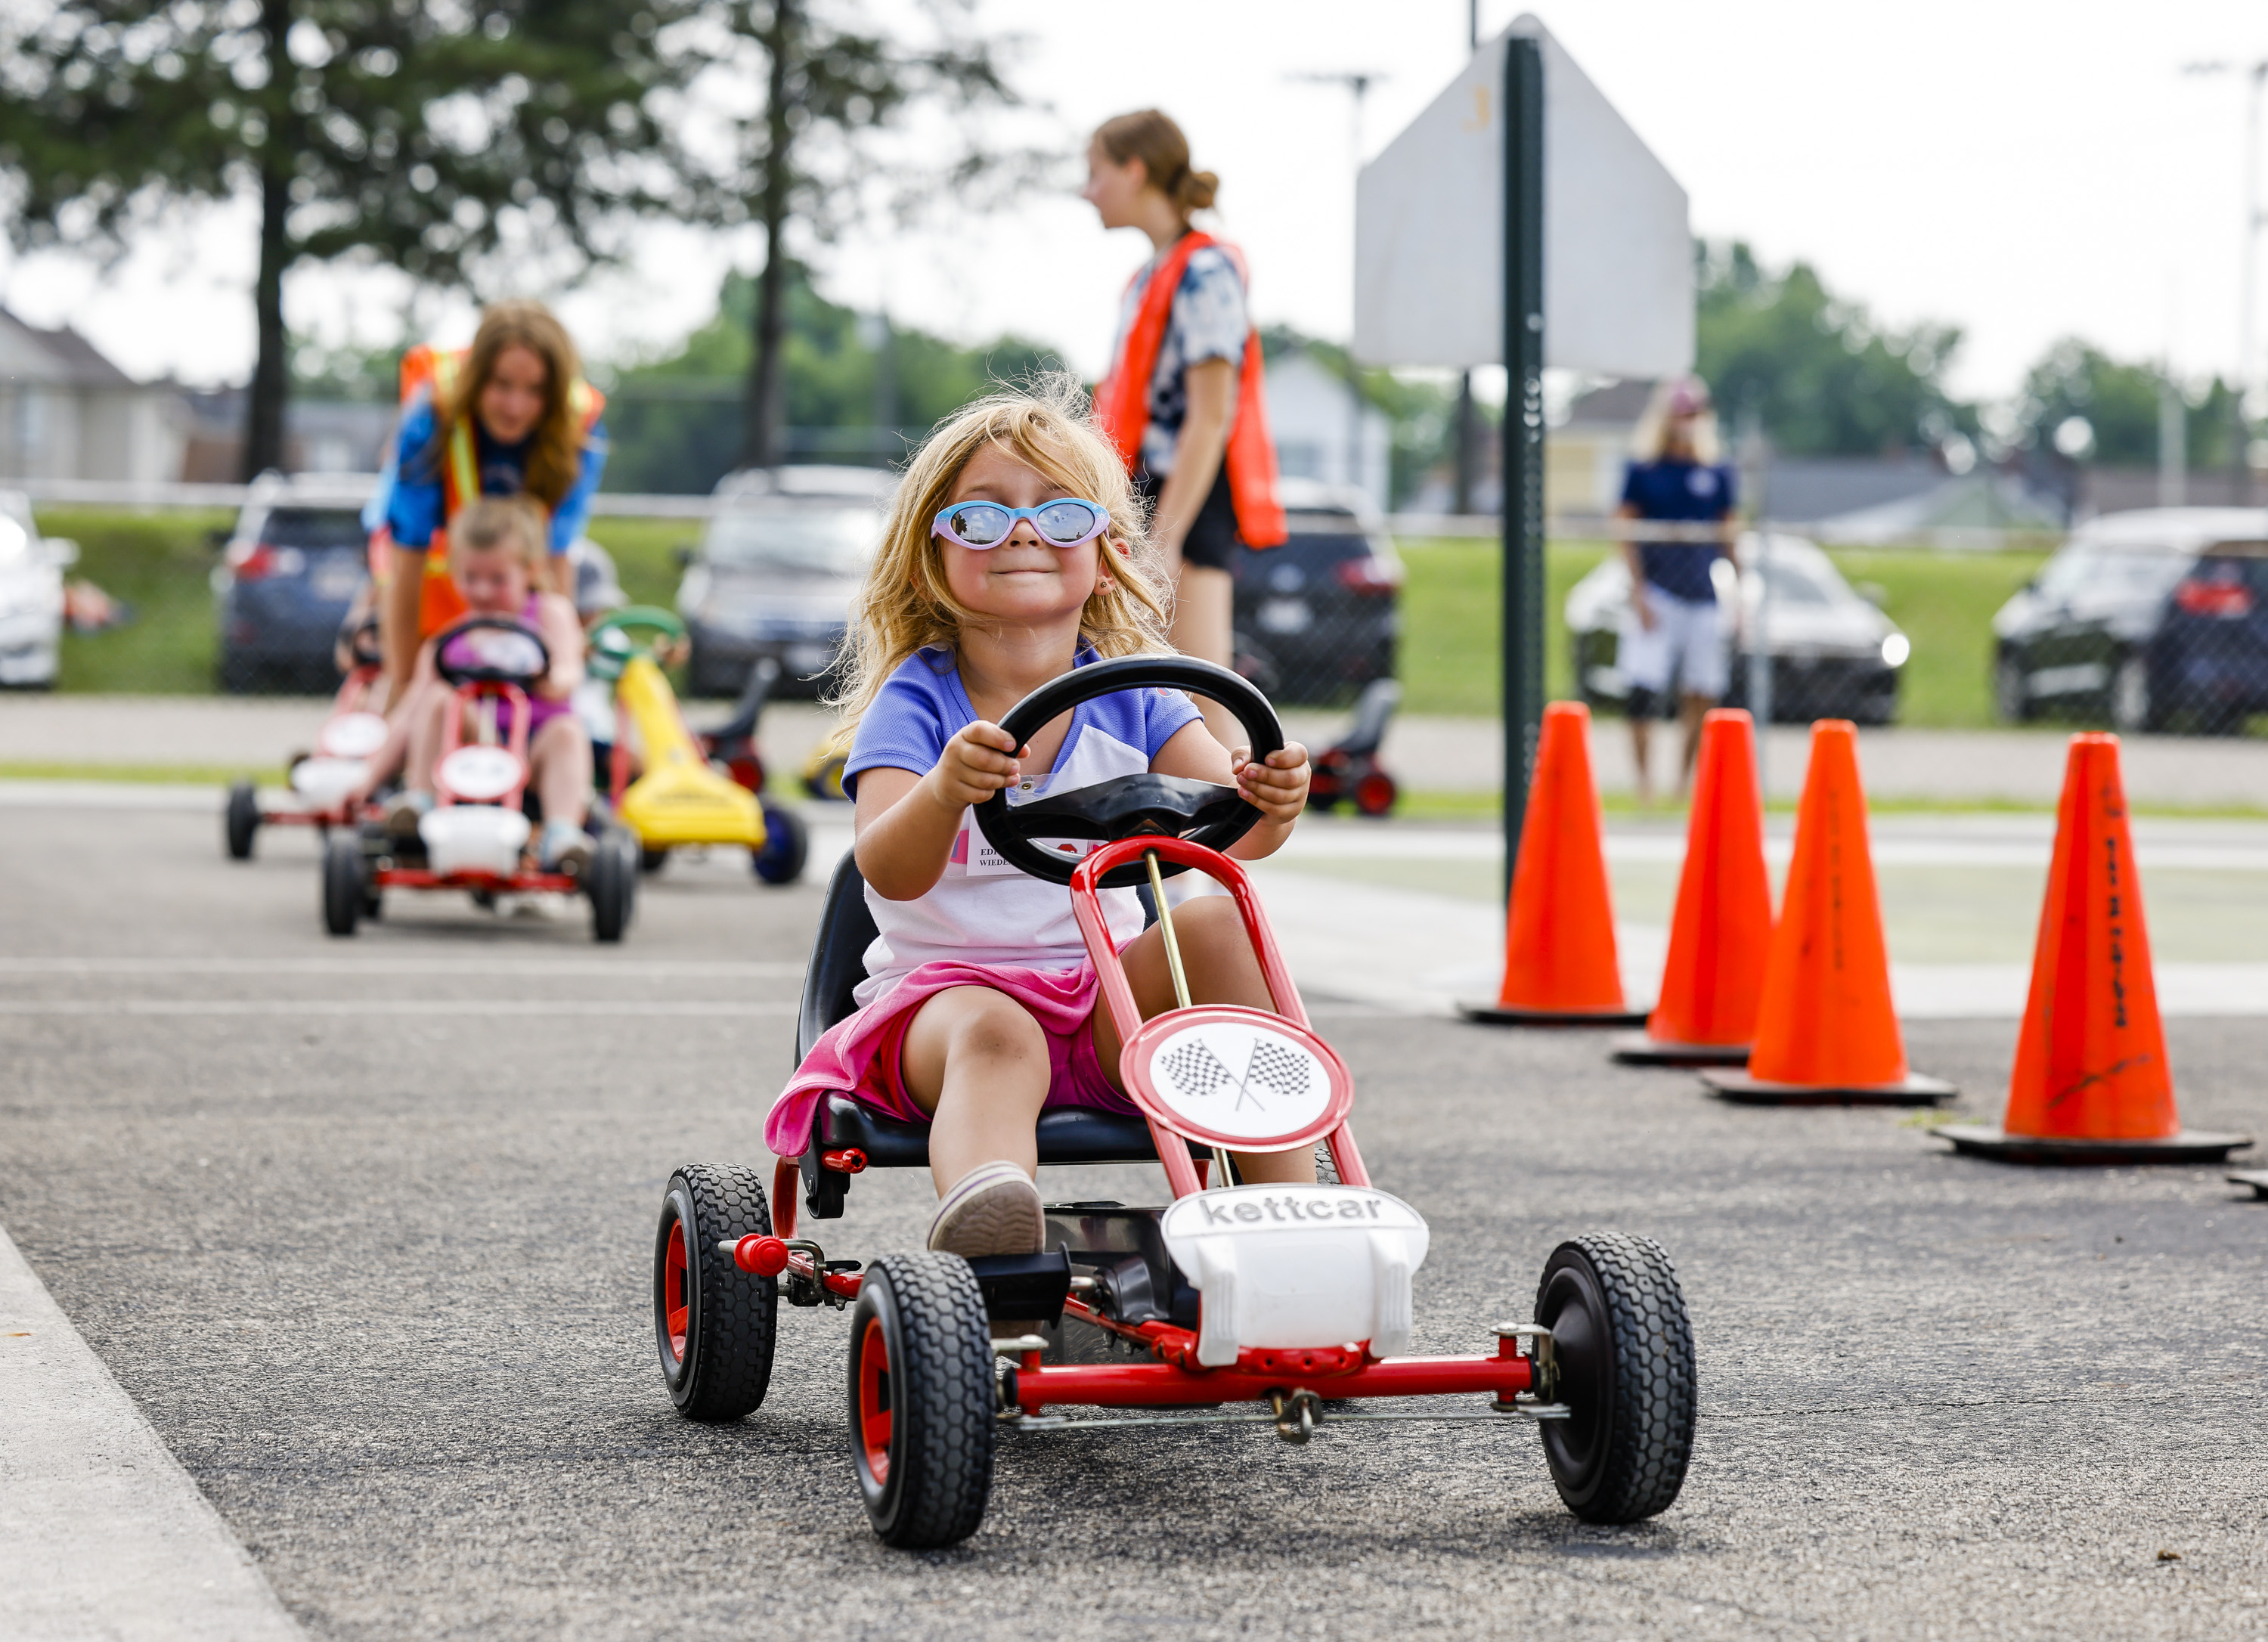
(1195, 190)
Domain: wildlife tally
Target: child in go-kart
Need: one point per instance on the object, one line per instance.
(496, 550)
(1014, 552)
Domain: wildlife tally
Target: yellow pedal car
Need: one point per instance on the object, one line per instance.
(693, 789)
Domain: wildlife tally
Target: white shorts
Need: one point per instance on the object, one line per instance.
(1686, 642)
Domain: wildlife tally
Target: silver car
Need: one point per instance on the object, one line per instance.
(31, 596)
(775, 571)
(1834, 654)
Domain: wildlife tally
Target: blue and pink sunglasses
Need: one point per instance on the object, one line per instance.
(1060, 524)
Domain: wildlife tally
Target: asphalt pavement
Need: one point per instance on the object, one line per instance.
(1424, 753)
(363, 1228)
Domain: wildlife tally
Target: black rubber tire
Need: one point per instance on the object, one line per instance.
(242, 819)
(787, 847)
(346, 883)
(652, 860)
(1625, 1350)
(940, 1392)
(611, 882)
(731, 1316)
(2012, 701)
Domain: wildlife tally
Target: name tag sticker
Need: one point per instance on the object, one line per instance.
(974, 856)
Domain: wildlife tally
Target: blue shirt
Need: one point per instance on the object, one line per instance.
(409, 498)
(1670, 491)
(984, 910)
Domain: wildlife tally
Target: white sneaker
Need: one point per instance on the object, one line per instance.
(992, 1210)
(566, 848)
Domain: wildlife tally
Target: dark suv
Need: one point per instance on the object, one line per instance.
(289, 569)
(1317, 618)
(2153, 620)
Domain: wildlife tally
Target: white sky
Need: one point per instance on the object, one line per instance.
(2023, 168)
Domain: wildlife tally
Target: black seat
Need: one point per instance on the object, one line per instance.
(846, 929)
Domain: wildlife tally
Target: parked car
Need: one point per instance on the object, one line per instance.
(775, 571)
(288, 568)
(31, 596)
(1317, 617)
(2144, 619)
(1834, 653)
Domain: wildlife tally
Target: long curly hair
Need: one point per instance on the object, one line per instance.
(554, 450)
(905, 607)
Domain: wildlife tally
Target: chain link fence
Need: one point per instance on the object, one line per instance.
(1783, 634)
(2145, 622)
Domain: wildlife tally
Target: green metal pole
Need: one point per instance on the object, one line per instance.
(1523, 430)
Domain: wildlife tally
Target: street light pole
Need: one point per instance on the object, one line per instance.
(2247, 263)
(1360, 85)
(1467, 430)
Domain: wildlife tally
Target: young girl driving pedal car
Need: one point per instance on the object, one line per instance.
(496, 550)
(1014, 552)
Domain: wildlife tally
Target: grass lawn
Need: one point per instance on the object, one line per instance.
(642, 551)
(160, 562)
(1944, 601)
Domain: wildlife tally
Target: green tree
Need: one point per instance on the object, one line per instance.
(853, 389)
(428, 136)
(809, 155)
(1824, 379)
(2120, 404)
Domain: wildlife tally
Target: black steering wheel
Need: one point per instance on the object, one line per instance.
(362, 643)
(521, 658)
(1128, 806)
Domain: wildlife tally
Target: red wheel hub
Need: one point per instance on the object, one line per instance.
(874, 1419)
(673, 1292)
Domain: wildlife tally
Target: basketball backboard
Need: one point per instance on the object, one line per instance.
(1429, 232)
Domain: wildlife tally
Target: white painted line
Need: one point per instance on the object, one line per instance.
(109, 795)
(102, 1533)
(579, 1009)
(1668, 849)
(1418, 953)
(500, 968)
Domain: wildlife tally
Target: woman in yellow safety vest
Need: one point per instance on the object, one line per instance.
(510, 416)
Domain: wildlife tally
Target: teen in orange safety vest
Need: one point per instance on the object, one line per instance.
(511, 414)
(1183, 400)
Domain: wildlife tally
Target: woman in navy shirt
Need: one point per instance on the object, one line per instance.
(1672, 631)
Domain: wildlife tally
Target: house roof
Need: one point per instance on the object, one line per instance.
(58, 355)
(1616, 405)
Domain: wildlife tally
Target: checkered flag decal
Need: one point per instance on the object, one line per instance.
(1197, 1071)
(1276, 1067)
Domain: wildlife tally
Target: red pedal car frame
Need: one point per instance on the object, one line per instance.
(246, 814)
(1614, 1396)
(358, 868)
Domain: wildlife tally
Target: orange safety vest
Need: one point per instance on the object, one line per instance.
(1121, 400)
(433, 370)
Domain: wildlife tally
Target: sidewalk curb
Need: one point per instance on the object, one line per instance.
(102, 1533)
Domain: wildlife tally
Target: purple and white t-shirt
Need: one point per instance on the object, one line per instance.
(984, 910)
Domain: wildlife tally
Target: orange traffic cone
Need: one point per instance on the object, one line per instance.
(2091, 1083)
(1559, 962)
(1714, 975)
(1826, 1032)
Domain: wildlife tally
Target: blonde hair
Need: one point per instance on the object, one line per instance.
(905, 607)
(1153, 138)
(500, 521)
(1650, 436)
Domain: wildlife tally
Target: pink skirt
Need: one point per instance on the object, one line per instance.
(858, 1054)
